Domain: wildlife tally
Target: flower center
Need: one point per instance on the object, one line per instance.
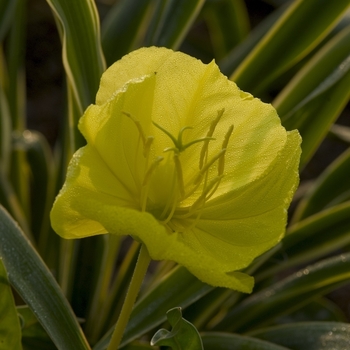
(165, 188)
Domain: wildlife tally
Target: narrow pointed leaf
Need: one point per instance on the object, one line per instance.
(122, 27)
(279, 50)
(341, 132)
(174, 21)
(308, 335)
(228, 24)
(82, 54)
(33, 334)
(311, 239)
(330, 188)
(226, 341)
(235, 57)
(7, 11)
(317, 94)
(289, 294)
(10, 330)
(37, 287)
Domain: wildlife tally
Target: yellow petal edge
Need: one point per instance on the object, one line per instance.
(181, 159)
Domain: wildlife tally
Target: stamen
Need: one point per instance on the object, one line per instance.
(210, 133)
(138, 125)
(221, 163)
(202, 172)
(179, 174)
(146, 182)
(170, 215)
(147, 146)
(208, 191)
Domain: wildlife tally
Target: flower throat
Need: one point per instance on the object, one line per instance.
(170, 212)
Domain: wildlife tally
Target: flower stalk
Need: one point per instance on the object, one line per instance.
(131, 295)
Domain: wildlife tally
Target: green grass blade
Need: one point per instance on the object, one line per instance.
(15, 92)
(122, 27)
(7, 11)
(292, 37)
(288, 295)
(37, 287)
(308, 335)
(10, 330)
(226, 341)
(318, 93)
(238, 54)
(5, 133)
(330, 188)
(311, 239)
(173, 22)
(321, 66)
(33, 335)
(82, 54)
(340, 132)
(228, 24)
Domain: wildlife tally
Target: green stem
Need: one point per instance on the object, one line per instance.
(134, 287)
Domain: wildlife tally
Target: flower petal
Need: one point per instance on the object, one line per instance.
(89, 180)
(115, 135)
(247, 222)
(190, 93)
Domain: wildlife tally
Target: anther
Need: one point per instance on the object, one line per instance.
(210, 133)
(205, 168)
(147, 146)
(221, 163)
(208, 191)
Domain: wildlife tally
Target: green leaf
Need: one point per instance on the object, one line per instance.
(226, 341)
(311, 239)
(237, 55)
(178, 289)
(37, 287)
(308, 335)
(39, 159)
(33, 334)
(9, 200)
(122, 28)
(340, 132)
(330, 188)
(288, 295)
(171, 22)
(5, 133)
(10, 330)
(320, 309)
(183, 336)
(82, 54)
(317, 94)
(280, 49)
(7, 11)
(139, 346)
(228, 24)
(313, 76)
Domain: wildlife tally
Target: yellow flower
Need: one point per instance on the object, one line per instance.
(181, 159)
